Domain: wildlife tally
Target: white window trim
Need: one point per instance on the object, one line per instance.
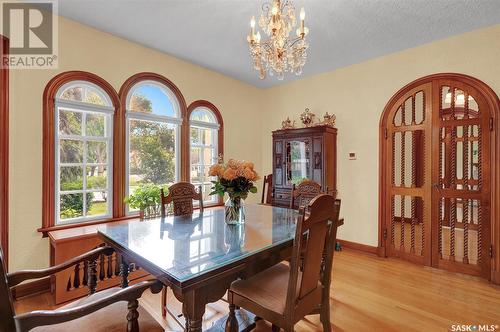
(84, 108)
(79, 105)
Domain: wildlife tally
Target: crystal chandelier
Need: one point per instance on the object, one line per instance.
(280, 53)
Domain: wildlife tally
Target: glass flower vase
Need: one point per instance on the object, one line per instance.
(235, 210)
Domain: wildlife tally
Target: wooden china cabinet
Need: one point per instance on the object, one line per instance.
(300, 154)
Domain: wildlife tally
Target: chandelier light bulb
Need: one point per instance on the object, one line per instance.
(252, 22)
(302, 14)
(274, 10)
(257, 37)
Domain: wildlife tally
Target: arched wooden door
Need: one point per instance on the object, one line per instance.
(436, 179)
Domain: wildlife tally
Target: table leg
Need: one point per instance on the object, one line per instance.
(193, 308)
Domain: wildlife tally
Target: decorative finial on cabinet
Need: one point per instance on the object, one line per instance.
(329, 119)
(288, 124)
(307, 117)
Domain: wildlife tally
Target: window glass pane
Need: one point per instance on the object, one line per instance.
(71, 151)
(207, 189)
(204, 115)
(153, 99)
(95, 125)
(70, 123)
(85, 94)
(97, 204)
(152, 156)
(71, 206)
(97, 177)
(195, 156)
(71, 178)
(196, 174)
(208, 156)
(97, 152)
(207, 136)
(195, 136)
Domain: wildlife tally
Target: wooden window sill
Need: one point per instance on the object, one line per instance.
(46, 230)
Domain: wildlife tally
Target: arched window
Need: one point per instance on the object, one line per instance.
(100, 146)
(83, 153)
(153, 127)
(205, 145)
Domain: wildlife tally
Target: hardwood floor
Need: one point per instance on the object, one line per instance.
(369, 294)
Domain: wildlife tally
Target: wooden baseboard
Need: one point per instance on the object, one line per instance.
(31, 288)
(360, 247)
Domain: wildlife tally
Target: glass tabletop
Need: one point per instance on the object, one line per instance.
(186, 246)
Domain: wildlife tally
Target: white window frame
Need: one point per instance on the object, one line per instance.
(176, 121)
(84, 108)
(215, 126)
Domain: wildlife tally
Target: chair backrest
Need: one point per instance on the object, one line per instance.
(312, 256)
(6, 302)
(181, 194)
(303, 193)
(267, 196)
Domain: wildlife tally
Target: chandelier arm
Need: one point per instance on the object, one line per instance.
(291, 43)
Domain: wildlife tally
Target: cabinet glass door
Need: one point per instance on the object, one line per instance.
(298, 161)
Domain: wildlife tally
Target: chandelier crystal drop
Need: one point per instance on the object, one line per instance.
(280, 53)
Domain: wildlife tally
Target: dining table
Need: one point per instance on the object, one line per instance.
(198, 256)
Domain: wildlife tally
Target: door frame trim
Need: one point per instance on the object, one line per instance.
(4, 150)
(493, 103)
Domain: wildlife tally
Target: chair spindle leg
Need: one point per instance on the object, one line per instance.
(92, 276)
(132, 316)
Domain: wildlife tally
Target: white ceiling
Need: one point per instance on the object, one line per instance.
(212, 33)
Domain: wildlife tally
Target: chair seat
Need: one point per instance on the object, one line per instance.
(108, 319)
(268, 288)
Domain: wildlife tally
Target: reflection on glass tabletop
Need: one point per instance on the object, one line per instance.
(187, 246)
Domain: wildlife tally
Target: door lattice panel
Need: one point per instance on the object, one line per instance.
(460, 191)
(409, 220)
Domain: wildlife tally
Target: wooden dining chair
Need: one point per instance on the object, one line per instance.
(110, 310)
(303, 193)
(181, 195)
(285, 293)
(267, 196)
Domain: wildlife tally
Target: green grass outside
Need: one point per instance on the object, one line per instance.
(98, 208)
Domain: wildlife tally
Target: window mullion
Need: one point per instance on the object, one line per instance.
(84, 180)
(109, 170)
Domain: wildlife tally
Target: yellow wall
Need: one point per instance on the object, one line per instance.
(114, 59)
(357, 95)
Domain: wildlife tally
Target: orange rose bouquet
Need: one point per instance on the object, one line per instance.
(236, 178)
